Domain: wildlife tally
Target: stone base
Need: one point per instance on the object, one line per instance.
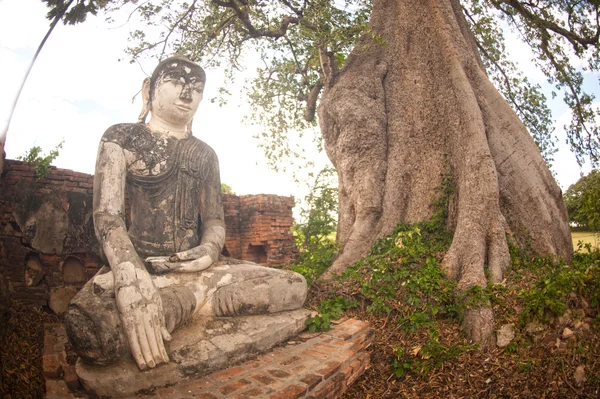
(198, 348)
(315, 366)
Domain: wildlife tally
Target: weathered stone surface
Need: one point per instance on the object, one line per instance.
(198, 348)
(72, 270)
(60, 298)
(160, 256)
(505, 335)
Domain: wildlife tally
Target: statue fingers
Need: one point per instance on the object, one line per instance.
(134, 345)
(160, 265)
(190, 254)
(197, 265)
(165, 334)
(160, 327)
(154, 341)
(144, 344)
(160, 342)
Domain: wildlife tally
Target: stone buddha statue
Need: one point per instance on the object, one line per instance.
(163, 262)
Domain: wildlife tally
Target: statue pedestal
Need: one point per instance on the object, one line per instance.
(197, 349)
(316, 365)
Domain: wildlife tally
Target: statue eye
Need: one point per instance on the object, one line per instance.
(173, 80)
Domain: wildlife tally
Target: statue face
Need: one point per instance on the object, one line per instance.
(177, 94)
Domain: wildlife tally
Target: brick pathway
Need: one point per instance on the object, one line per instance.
(320, 365)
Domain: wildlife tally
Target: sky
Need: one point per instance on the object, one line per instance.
(78, 88)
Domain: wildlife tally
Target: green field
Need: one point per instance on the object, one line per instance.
(586, 237)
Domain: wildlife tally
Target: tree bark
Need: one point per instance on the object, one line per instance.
(413, 102)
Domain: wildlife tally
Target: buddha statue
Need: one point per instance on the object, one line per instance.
(163, 261)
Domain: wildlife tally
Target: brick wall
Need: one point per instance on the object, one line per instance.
(47, 239)
(258, 228)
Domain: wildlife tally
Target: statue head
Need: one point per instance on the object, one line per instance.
(174, 90)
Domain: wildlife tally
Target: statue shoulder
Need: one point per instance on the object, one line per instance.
(123, 133)
(204, 151)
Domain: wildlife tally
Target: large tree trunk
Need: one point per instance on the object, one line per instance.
(401, 113)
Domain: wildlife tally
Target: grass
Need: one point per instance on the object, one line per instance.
(588, 237)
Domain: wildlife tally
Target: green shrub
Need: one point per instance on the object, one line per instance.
(42, 163)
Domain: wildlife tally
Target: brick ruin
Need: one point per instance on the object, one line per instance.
(48, 249)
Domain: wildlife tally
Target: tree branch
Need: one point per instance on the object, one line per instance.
(544, 24)
(329, 69)
(507, 82)
(311, 101)
(190, 9)
(296, 11)
(254, 32)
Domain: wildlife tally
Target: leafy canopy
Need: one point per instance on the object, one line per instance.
(583, 202)
(303, 43)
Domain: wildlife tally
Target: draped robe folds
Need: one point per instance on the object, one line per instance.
(169, 210)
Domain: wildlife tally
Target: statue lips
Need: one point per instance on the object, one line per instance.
(183, 107)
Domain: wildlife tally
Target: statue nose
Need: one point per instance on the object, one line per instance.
(186, 93)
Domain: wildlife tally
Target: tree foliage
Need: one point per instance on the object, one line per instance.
(42, 161)
(226, 189)
(303, 44)
(315, 234)
(583, 201)
(73, 11)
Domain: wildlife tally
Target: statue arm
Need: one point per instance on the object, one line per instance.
(211, 211)
(138, 300)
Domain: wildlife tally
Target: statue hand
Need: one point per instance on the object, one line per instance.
(142, 316)
(198, 252)
(162, 264)
(195, 259)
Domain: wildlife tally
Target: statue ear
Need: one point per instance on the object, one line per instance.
(145, 101)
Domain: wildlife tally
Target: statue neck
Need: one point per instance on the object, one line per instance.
(160, 126)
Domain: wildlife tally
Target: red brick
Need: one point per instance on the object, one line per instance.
(315, 354)
(278, 373)
(169, 393)
(263, 379)
(289, 392)
(234, 386)
(197, 384)
(330, 368)
(350, 352)
(311, 380)
(252, 365)
(228, 373)
(49, 342)
(52, 367)
(252, 393)
(325, 348)
(57, 390)
(290, 360)
(71, 378)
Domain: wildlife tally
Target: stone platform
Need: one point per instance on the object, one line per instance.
(198, 348)
(317, 365)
